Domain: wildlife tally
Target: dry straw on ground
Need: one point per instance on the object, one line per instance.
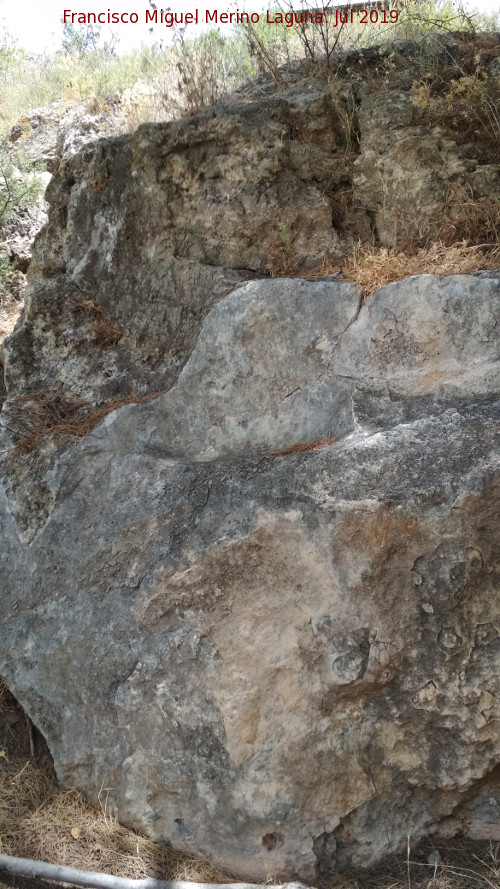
(42, 821)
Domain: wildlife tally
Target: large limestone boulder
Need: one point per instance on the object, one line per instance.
(260, 608)
(284, 660)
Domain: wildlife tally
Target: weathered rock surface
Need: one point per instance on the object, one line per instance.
(285, 181)
(64, 128)
(44, 136)
(20, 231)
(262, 608)
(281, 662)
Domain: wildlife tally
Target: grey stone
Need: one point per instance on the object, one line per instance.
(405, 170)
(258, 377)
(270, 658)
(261, 608)
(20, 231)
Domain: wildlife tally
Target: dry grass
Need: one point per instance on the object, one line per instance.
(373, 267)
(464, 865)
(283, 265)
(300, 446)
(470, 220)
(106, 334)
(465, 97)
(53, 412)
(106, 331)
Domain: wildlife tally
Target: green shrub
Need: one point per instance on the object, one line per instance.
(19, 185)
(81, 39)
(203, 70)
(319, 42)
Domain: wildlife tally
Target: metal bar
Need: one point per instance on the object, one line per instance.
(58, 873)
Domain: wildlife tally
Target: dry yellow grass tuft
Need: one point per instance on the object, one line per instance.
(465, 97)
(373, 267)
(470, 221)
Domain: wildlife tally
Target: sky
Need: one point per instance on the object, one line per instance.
(35, 24)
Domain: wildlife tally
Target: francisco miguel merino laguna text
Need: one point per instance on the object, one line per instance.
(343, 16)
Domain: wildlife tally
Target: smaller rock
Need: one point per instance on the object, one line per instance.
(20, 231)
(19, 130)
(434, 859)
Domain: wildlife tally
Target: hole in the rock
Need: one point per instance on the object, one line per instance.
(271, 840)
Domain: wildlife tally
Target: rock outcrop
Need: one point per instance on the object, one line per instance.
(42, 138)
(261, 608)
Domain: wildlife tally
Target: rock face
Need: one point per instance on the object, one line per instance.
(281, 662)
(43, 137)
(260, 609)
